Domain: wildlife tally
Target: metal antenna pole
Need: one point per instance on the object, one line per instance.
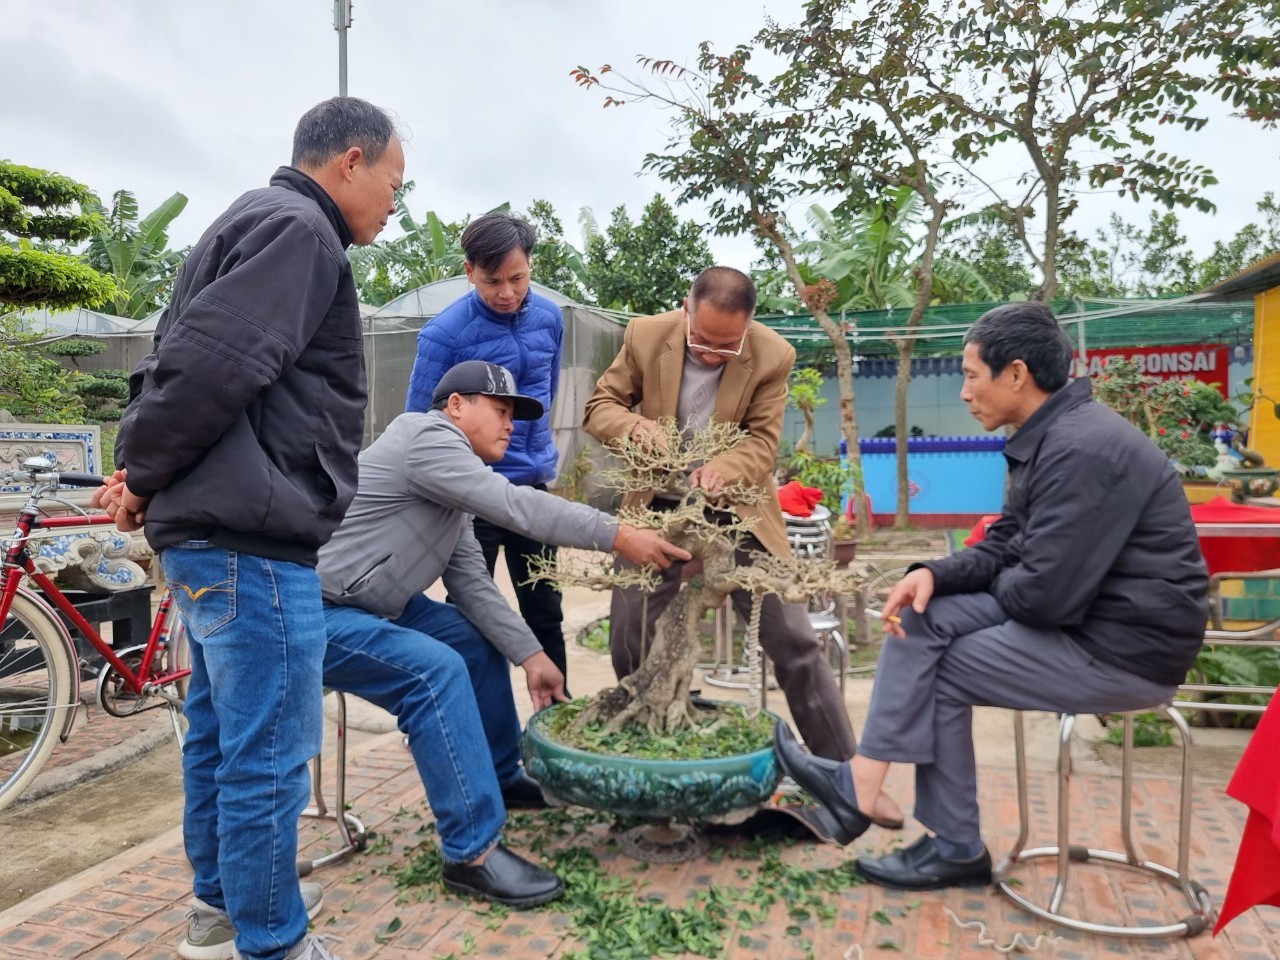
(342, 23)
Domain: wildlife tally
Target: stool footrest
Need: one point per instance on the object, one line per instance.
(1197, 896)
(353, 836)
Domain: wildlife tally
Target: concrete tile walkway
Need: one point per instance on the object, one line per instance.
(133, 907)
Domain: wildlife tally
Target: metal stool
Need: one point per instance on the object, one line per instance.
(810, 539)
(351, 830)
(829, 630)
(1067, 853)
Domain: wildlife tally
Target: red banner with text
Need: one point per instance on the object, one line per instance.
(1206, 362)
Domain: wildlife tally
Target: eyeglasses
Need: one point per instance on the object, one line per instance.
(703, 348)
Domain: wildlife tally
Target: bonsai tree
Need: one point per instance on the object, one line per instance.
(656, 697)
(805, 396)
(1177, 415)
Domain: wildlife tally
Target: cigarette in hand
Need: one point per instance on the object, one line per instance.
(892, 619)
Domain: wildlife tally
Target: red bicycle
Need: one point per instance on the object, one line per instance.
(40, 670)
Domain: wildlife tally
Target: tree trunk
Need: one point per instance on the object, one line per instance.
(802, 445)
(813, 298)
(906, 347)
(656, 697)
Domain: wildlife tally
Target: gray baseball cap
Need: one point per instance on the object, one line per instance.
(480, 376)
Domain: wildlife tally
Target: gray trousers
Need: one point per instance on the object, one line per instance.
(963, 652)
(799, 661)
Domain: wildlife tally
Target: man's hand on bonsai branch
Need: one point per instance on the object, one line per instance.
(708, 478)
(647, 434)
(645, 547)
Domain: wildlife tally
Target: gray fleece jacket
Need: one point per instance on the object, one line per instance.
(410, 525)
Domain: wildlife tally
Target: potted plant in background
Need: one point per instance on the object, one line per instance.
(805, 396)
(1180, 416)
(837, 481)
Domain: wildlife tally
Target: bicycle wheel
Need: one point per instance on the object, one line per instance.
(178, 657)
(178, 651)
(36, 691)
(878, 587)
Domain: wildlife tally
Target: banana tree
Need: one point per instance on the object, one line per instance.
(429, 250)
(873, 258)
(136, 253)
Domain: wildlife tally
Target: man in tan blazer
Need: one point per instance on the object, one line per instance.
(710, 359)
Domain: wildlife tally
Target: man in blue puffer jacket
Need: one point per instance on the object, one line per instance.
(503, 322)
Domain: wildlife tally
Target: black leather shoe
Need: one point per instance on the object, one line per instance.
(506, 878)
(821, 778)
(920, 867)
(523, 793)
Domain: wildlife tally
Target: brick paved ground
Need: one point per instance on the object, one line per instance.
(134, 908)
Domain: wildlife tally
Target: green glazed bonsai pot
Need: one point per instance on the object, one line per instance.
(657, 789)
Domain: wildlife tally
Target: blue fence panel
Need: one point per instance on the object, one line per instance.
(944, 474)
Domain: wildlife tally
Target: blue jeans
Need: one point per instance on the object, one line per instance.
(411, 667)
(255, 719)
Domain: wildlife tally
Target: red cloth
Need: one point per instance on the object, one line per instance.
(851, 511)
(1237, 554)
(979, 531)
(798, 500)
(1256, 783)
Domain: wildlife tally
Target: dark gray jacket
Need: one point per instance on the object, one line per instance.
(245, 421)
(1095, 539)
(410, 525)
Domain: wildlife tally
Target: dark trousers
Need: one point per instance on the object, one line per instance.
(799, 662)
(539, 602)
(962, 652)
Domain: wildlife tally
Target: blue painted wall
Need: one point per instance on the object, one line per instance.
(943, 482)
(933, 405)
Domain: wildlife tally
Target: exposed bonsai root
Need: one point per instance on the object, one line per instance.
(646, 716)
(607, 704)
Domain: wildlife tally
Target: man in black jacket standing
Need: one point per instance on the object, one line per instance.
(1086, 596)
(240, 444)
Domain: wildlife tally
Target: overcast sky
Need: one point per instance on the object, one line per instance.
(158, 96)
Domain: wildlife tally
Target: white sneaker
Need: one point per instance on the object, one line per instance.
(212, 936)
(311, 948)
(308, 948)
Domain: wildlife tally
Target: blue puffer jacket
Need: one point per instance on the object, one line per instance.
(527, 342)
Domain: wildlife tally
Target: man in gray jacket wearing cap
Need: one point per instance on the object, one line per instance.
(435, 665)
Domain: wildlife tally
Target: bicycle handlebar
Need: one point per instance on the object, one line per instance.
(70, 478)
(66, 478)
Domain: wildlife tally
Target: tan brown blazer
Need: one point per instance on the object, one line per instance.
(753, 394)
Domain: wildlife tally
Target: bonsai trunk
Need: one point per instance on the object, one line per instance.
(802, 445)
(656, 696)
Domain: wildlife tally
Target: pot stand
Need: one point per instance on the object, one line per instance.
(663, 842)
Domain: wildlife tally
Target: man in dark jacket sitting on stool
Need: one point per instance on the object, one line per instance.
(1086, 596)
